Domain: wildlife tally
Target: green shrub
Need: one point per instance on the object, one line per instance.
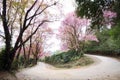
(2, 58)
(22, 63)
(63, 57)
(109, 43)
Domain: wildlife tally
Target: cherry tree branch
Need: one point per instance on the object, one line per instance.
(2, 36)
(27, 23)
(32, 33)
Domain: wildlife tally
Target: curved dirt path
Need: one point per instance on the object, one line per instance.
(104, 68)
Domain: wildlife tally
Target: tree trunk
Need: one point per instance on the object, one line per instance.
(36, 59)
(7, 62)
(30, 47)
(9, 59)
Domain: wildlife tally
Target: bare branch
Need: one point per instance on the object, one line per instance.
(8, 12)
(25, 20)
(39, 22)
(2, 36)
(24, 25)
(41, 11)
(0, 12)
(12, 22)
(33, 33)
(34, 15)
(1, 15)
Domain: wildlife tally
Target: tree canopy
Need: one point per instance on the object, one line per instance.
(94, 9)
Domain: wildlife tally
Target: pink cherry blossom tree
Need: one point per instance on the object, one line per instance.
(74, 31)
(108, 17)
(36, 45)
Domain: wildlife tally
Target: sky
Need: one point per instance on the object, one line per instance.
(68, 6)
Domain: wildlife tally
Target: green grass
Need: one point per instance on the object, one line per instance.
(68, 59)
(83, 61)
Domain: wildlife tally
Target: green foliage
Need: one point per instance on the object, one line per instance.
(17, 63)
(83, 61)
(93, 9)
(2, 58)
(115, 32)
(117, 9)
(68, 59)
(63, 57)
(21, 63)
(109, 42)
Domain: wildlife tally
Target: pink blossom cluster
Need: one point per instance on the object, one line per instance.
(44, 54)
(109, 16)
(72, 20)
(90, 37)
(38, 42)
(64, 46)
(71, 32)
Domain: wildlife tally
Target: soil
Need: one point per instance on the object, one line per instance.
(104, 68)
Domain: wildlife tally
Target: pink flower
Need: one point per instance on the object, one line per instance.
(90, 37)
(71, 31)
(108, 17)
(109, 14)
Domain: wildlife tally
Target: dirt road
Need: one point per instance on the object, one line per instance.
(104, 68)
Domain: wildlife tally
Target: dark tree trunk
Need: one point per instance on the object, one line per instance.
(9, 51)
(9, 59)
(7, 37)
(30, 47)
(36, 59)
(18, 54)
